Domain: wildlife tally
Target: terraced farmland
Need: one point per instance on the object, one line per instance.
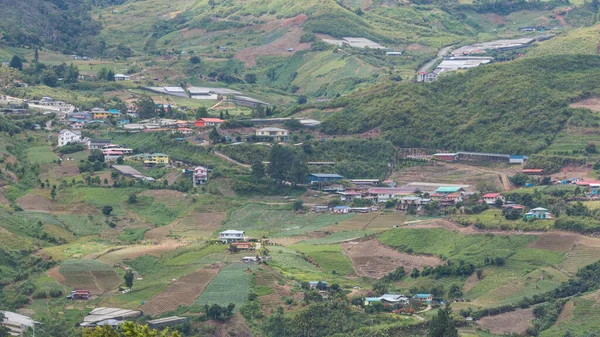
(182, 292)
(231, 285)
(89, 275)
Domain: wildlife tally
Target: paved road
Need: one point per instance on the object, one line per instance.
(429, 64)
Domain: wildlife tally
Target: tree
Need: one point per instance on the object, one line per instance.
(302, 99)
(194, 60)
(454, 291)
(36, 55)
(8, 75)
(49, 78)
(106, 210)
(96, 155)
(258, 169)
(4, 332)
(146, 108)
(128, 278)
(110, 76)
(272, 74)
(120, 161)
(53, 194)
(442, 325)
(298, 205)
(250, 78)
(16, 63)
(201, 112)
(102, 74)
(590, 148)
(128, 329)
(72, 74)
(415, 273)
(214, 135)
(132, 199)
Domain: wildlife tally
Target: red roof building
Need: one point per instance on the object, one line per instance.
(532, 171)
(203, 122)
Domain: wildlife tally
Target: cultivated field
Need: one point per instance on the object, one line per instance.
(89, 275)
(181, 292)
(372, 259)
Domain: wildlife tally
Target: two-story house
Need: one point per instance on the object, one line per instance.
(157, 159)
(68, 136)
(231, 235)
(277, 134)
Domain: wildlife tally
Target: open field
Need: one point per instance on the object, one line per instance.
(369, 221)
(181, 292)
(513, 322)
(372, 259)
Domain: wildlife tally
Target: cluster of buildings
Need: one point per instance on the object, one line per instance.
(204, 93)
(399, 300)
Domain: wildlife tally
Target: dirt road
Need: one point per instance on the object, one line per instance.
(440, 54)
(219, 154)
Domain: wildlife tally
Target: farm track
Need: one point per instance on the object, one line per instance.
(231, 160)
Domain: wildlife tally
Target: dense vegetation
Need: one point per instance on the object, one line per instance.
(509, 108)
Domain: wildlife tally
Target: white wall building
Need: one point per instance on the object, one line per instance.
(68, 136)
(231, 235)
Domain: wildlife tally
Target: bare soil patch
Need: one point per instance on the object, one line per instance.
(418, 47)
(566, 313)
(512, 322)
(495, 18)
(35, 202)
(470, 283)
(555, 241)
(236, 326)
(66, 169)
(54, 274)
(291, 39)
(289, 240)
(588, 103)
(181, 292)
(134, 252)
(192, 226)
(372, 259)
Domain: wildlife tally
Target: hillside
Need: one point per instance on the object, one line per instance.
(514, 107)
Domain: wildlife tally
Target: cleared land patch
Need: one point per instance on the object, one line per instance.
(555, 241)
(372, 259)
(511, 322)
(182, 292)
(130, 253)
(89, 275)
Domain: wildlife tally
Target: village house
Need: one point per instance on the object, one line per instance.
(341, 209)
(319, 209)
(111, 155)
(319, 178)
(425, 76)
(96, 144)
(449, 190)
(383, 194)
(157, 159)
(121, 77)
(277, 134)
(394, 299)
(349, 196)
(200, 176)
(336, 188)
(76, 126)
(416, 203)
(451, 199)
(315, 285)
(538, 213)
(231, 235)
(204, 122)
(16, 324)
(446, 156)
(424, 298)
(100, 114)
(533, 172)
(68, 136)
(491, 198)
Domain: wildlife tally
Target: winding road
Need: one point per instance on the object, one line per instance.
(440, 54)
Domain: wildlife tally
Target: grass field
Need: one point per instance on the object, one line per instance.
(328, 257)
(41, 155)
(278, 221)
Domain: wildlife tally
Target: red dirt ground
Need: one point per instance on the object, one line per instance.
(512, 322)
(588, 103)
(372, 259)
(183, 291)
(54, 274)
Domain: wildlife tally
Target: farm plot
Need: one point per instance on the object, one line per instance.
(231, 285)
(328, 257)
(281, 221)
(89, 275)
(372, 259)
(369, 221)
(512, 322)
(182, 292)
(134, 252)
(338, 237)
(198, 225)
(581, 316)
(555, 241)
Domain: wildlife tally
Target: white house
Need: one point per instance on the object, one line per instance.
(383, 194)
(231, 235)
(491, 198)
(200, 175)
(68, 136)
(274, 133)
(121, 77)
(426, 77)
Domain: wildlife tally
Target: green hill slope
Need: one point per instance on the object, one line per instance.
(515, 107)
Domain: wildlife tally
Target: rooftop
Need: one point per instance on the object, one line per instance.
(326, 175)
(232, 231)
